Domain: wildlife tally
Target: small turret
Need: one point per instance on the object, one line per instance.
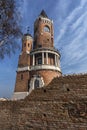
(27, 42)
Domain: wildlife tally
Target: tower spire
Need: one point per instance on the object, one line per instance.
(28, 32)
(43, 14)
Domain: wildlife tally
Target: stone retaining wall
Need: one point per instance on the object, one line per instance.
(62, 105)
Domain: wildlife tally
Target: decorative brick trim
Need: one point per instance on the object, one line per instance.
(23, 69)
(46, 67)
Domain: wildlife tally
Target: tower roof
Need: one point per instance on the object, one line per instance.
(27, 34)
(43, 14)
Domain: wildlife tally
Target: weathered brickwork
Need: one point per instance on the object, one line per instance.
(45, 39)
(27, 43)
(47, 75)
(38, 57)
(22, 81)
(62, 105)
(24, 60)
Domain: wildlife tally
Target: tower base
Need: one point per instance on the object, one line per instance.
(19, 95)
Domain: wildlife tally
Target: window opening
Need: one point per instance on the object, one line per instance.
(39, 61)
(28, 44)
(46, 29)
(21, 76)
(36, 83)
(39, 46)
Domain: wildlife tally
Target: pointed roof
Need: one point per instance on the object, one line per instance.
(43, 14)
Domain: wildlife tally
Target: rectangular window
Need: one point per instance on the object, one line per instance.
(21, 76)
(39, 61)
(39, 46)
(24, 44)
(28, 44)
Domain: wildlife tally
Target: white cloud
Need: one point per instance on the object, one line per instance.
(83, 3)
(72, 40)
(69, 19)
(79, 21)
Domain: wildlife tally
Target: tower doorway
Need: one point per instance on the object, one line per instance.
(36, 84)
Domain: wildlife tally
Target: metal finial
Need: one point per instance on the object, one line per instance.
(28, 29)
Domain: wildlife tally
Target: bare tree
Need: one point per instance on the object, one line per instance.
(9, 27)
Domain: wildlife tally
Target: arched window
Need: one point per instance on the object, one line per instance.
(21, 76)
(46, 29)
(36, 83)
(24, 44)
(28, 44)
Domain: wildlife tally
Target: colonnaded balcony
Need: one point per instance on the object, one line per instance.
(45, 59)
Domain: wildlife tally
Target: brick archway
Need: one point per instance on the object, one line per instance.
(36, 82)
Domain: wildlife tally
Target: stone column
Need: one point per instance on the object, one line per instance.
(55, 60)
(42, 57)
(46, 57)
(33, 59)
(59, 63)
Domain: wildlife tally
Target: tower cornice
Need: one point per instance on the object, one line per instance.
(53, 50)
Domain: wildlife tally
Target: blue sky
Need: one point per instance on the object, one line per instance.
(70, 28)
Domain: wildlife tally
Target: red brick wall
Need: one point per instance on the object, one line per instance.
(22, 84)
(43, 38)
(47, 75)
(24, 60)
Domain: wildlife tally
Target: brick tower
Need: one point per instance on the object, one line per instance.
(23, 71)
(39, 64)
